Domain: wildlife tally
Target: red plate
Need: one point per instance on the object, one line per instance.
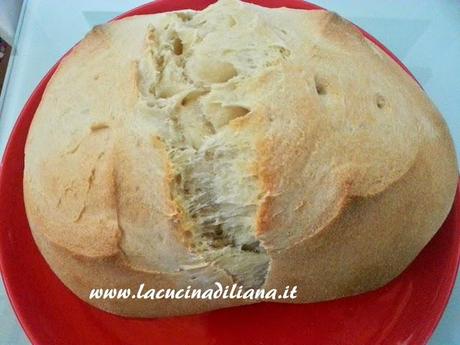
(406, 311)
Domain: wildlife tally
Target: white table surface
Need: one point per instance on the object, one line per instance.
(425, 35)
(9, 13)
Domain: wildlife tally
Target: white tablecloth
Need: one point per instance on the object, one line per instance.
(9, 13)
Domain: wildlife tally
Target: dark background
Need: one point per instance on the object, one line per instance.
(4, 49)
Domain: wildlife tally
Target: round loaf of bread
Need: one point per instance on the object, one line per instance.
(239, 144)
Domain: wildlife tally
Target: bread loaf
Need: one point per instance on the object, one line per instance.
(239, 144)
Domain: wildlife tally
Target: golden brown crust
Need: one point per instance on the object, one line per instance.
(353, 167)
(384, 232)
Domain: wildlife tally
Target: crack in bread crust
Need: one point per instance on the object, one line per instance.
(215, 186)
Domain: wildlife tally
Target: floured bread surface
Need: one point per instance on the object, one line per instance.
(263, 147)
